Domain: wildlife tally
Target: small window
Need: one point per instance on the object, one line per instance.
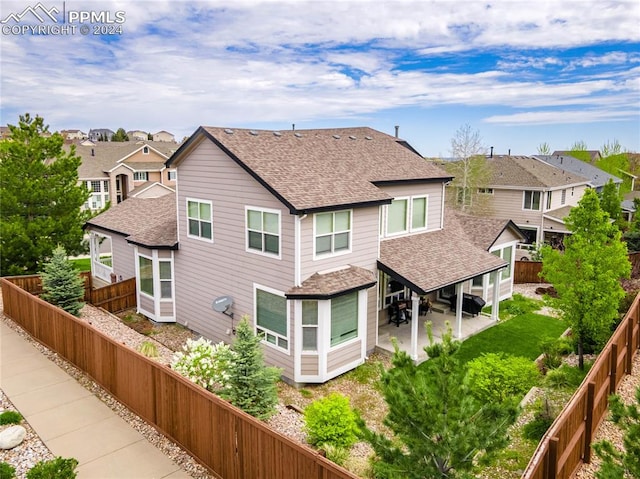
(531, 200)
(309, 325)
(95, 186)
(485, 191)
(344, 318)
(397, 216)
(172, 175)
(141, 176)
(333, 232)
(419, 213)
(549, 200)
(146, 275)
(271, 318)
(563, 197)
(145, 150)
(199, 217)
(263, 231)
(166, 281)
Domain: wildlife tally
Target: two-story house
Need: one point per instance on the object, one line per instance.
(311, 234)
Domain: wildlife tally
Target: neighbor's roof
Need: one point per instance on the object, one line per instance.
(527, 172)
(595, 175)
(106, 155)
(313, 170)
(593, 154)
(333, 283)
(484, 232)
(148, 222)
(559, 214)
(429, 261)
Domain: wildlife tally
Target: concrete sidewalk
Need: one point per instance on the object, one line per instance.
(71, 421)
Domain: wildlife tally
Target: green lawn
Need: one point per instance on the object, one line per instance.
(82, 264)
(519, 336)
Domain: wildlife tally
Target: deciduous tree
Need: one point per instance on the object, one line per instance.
(587, 274)
(40, 197)
(611, 200)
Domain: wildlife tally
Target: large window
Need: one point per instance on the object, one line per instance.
(397, 216)
(506, 254)
(99, 194)
(333, 232)
(146, 275)
(271, 318)
(309, 325)
(263, 231)
(407, 214)
(419, 213)
(344, 318)
(141, 176)
(531, 200)
(199, 216)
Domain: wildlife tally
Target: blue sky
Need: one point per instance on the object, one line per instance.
(520, 72)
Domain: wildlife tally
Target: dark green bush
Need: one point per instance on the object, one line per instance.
(7, 471)
(499, 377)
(57, 468)
(566, 376)
(331, 420)
(542, 420)
(10, 417)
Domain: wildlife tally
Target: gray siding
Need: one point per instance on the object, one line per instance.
(342, 356)
(123, 255)
(309, 365)
(205, 271)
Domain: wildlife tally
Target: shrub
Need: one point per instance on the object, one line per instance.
(551, 356)
(331, 420)
(57, 468)
(10, 417)
(336, 454)
(7, 471)
(204, 363)
(149, 349)
(542, 420)
(566, 376)
(499, 377)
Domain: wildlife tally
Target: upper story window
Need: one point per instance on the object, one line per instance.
(549, 200)
(332, 232)
(200, 219)
(531, 200)
(145, 150)
(485, 191)
(172, 175)
(99, 194)
(263, 231)
(563, 197)
(271, 318)
(407, 214)
(141, 176)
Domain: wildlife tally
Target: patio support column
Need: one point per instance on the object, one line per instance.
(415, 320)
(495, 309)
(459, 310)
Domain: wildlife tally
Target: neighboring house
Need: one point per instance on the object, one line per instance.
(4, 132)
(73, 135)
(113, 170)
(535, 195)
(99, 134)
(597, 177)
(164, 136)
(137, 135)
(312, 234)
(594, 155)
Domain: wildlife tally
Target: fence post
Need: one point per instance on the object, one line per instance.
(553, 458)
(630, 351)
(588, 429)
(613, 368)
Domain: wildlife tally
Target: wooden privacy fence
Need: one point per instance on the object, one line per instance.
(113, 297)
(567, 443)
(231, 443)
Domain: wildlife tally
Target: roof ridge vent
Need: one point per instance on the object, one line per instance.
(351, 137)
(368, 138)
(277, 133)
(337, 137)
(253, 133)
(297, 135)
(228, 131)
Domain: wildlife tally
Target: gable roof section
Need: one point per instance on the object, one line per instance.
(594, 155)
(429, 261)
(320, 170)
(334, 283)
(484, 232)
(527, 172)
(595, 175)
(148, 222)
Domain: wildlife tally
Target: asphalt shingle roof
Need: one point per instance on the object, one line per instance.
(316, 169)
(482, 231)
(595, 175)
(527, 172)
(327, 285)
(149, 222)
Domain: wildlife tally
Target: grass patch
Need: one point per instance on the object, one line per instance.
(516, 305)
(82, 264)
(520, 336)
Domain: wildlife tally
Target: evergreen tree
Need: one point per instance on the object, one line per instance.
(40, 195)
(120, 135)
(62, 284)
(251, 385)
(587, 274)
(439, 426)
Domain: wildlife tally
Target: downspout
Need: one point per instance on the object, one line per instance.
(298, 255)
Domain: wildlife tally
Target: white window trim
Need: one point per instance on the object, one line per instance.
(143, 293)
(333, 254)
(384, 217)
(171, 173)
(309, 352)
(426, 213)
(407, 219)
(524, 196)
(358, 336)
(99, 269)
(189, 235)
(246, 231)
(485, 191)
(137, 173)
(267, 289)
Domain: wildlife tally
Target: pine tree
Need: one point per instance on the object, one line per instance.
(251, 385)
(439, 426)
(587, 274)
(62, 284)
(41, 197)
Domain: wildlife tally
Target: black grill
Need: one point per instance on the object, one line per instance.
(471, 303)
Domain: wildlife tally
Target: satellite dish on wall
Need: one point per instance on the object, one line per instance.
(222, 303)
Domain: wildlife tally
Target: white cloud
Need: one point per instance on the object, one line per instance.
(554, 117)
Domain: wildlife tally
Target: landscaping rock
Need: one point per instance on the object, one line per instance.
(12, 437)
